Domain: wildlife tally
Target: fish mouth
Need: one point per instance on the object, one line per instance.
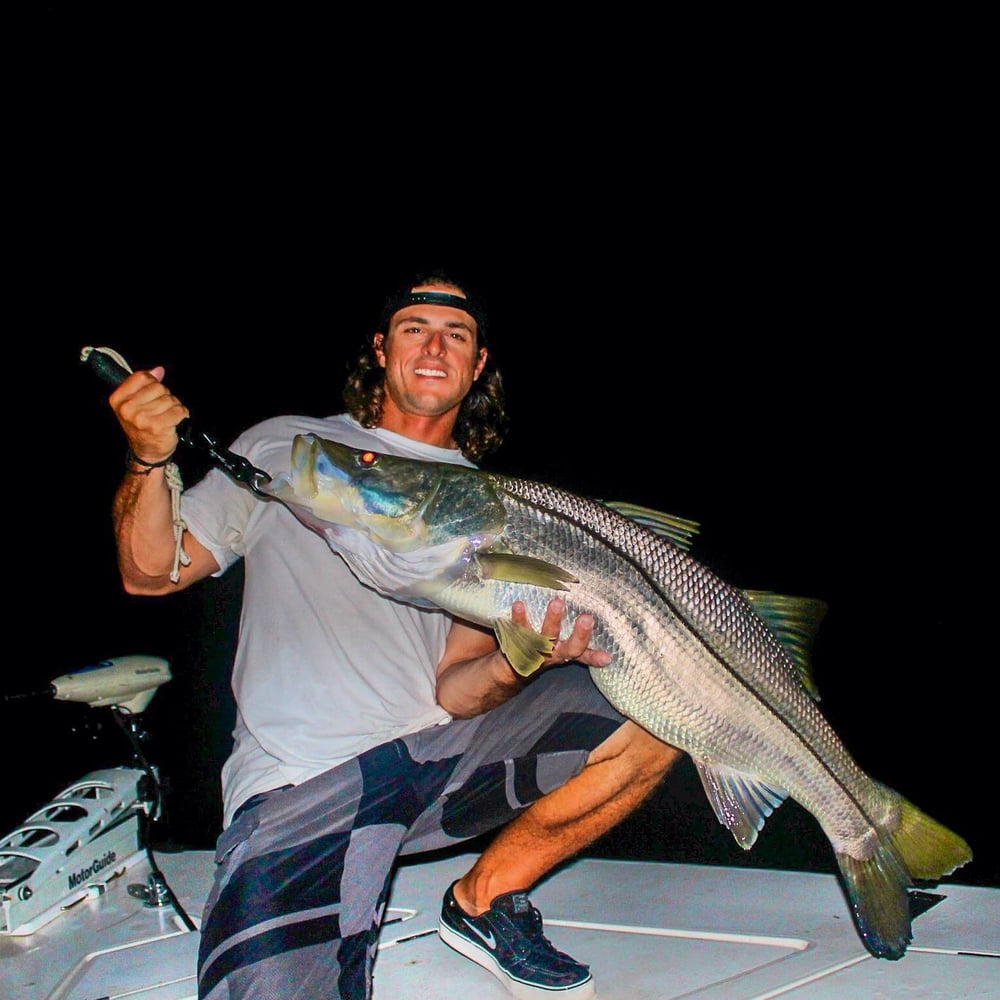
(303, 466)
(315, 475)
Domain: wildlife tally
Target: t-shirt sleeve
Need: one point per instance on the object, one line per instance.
(216, 511)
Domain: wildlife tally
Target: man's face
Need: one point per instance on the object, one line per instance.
(430, 356)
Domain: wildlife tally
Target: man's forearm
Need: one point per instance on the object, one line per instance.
(471, 687)
(474, 676)
(143, 525)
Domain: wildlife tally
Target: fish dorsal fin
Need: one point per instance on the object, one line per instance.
(678, 530)
(522, 569)
(741, 802)
(794, 621)
(525, 648)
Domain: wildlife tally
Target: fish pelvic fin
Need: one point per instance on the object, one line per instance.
(794, 622)
(919, 849)
(741, 802)
(678, 530)
(525, 648)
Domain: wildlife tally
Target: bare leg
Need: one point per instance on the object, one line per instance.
(619, 776)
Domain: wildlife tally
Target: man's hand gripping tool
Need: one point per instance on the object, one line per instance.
(235, 466)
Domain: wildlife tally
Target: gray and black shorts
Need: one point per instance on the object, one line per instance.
(303, 873)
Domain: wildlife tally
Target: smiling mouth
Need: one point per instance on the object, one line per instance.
(432, 372)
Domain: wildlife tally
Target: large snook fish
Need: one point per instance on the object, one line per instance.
(721, 673)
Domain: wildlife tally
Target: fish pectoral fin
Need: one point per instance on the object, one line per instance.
(678, 530)
(740, 801)
(794, 621)
(525, 648)
(522, 569)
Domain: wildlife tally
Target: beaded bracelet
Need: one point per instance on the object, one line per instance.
(131, 457)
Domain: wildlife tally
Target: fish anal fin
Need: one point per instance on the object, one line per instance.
(741, 802)
(794, 622)
(525, 648)
(522, 569)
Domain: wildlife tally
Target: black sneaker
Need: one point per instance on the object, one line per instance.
(507, 940)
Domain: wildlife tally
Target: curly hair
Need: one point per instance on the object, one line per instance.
(482, 420)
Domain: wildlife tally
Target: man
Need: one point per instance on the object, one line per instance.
(365, 727)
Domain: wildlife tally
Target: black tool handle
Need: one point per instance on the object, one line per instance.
(114, 374)
(107, 368)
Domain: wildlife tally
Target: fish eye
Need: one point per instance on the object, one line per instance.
(367, 459)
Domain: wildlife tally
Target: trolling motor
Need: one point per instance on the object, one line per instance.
(95, 829)
(125, 682)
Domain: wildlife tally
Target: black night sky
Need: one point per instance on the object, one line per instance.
(788, 357)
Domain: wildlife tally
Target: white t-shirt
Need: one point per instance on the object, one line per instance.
(325, 668)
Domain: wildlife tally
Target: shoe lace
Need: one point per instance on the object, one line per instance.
(530, 933)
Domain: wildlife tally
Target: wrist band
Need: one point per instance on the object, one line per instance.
(132, 458)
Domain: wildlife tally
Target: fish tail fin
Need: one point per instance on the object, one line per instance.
(928, 848)
(918, 849)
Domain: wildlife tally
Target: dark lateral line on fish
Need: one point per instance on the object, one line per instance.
(564, 515)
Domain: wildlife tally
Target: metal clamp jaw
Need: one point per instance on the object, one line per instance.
(235, 466)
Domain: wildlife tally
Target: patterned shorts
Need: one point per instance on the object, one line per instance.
(303, 876)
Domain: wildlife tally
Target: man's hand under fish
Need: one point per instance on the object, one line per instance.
(576, 646)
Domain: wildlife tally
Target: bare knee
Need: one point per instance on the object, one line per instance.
(639, 751)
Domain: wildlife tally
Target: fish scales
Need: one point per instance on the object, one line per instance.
(696, 659)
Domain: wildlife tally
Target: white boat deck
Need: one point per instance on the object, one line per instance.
(650, 931)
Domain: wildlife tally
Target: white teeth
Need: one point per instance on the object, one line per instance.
(433, 372)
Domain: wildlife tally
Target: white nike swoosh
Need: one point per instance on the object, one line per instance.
(488, 939)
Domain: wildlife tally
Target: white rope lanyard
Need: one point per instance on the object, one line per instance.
(173, 477)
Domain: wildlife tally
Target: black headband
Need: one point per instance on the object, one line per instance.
(433, 299)
(436, 299)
